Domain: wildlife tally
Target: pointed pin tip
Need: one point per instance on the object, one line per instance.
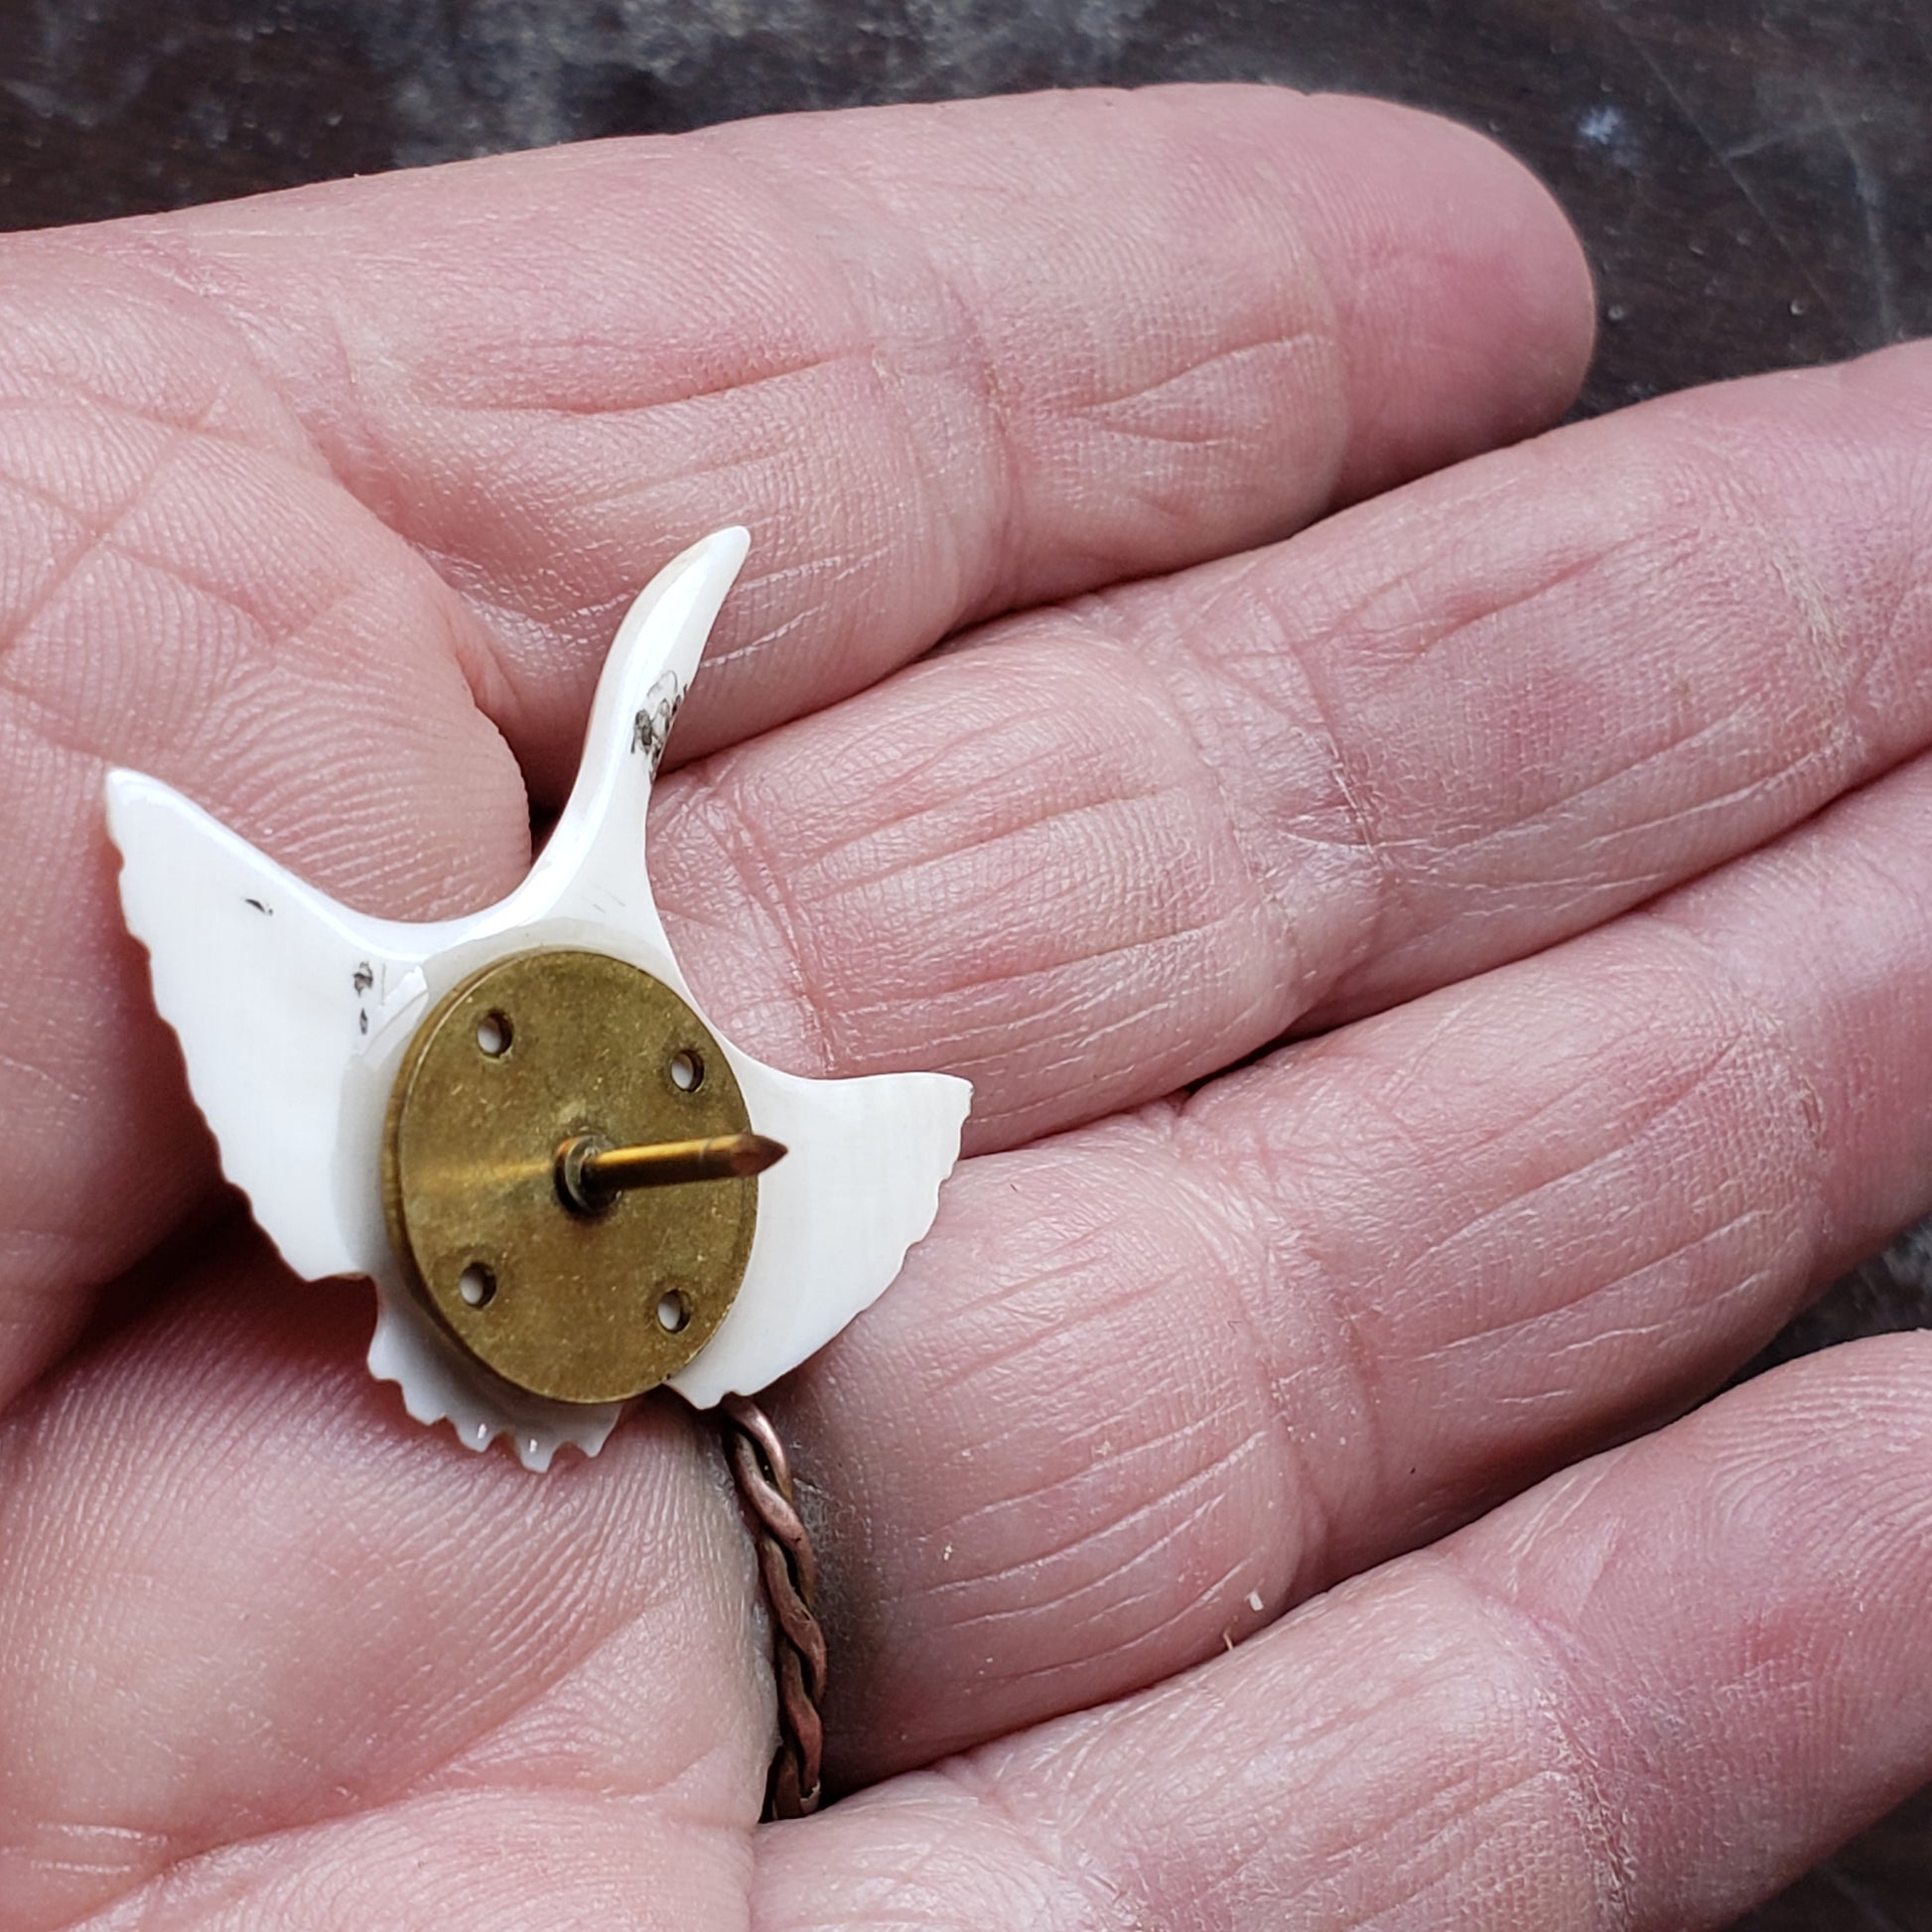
(755, 1153)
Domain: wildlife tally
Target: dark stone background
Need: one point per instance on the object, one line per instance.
(1753, 179)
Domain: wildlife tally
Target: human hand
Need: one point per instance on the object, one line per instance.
(1509, 783)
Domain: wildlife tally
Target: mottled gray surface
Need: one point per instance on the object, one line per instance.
(1752, 179)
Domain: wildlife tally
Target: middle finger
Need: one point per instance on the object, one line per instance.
(1119, 845)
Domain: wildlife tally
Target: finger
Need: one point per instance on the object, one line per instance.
(194, 598)
(1145, 1385)
(189, 593)
(1643, 1695)
(257, 1629)
(1124, 845)
(942, 361)
(1079, 905)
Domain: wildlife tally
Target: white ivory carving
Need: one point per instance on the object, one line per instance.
(294, 1013)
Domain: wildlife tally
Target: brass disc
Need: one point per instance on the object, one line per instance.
(517, 1062)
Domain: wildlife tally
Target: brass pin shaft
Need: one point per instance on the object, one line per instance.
(590, 1173)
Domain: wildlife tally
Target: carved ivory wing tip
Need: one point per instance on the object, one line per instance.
(665, 630)
(272, 990)
(593, 864)
(836, 1215)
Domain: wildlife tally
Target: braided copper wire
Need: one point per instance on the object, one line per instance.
(791, 1575)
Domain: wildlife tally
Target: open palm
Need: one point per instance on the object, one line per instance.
(1565, 806)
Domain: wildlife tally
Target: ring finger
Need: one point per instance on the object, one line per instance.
(1149, 1383)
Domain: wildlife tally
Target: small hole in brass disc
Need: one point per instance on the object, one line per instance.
(476, 1284)
(494, 1035)
(687, 1071)
(672, 1315)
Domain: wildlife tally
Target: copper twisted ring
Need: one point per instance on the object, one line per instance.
(790, 1576)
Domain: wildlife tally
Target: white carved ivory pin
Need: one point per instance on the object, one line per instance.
(565, 1184)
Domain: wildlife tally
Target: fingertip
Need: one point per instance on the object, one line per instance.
(1893, 383)
(1836, 1416)
(1464, 301)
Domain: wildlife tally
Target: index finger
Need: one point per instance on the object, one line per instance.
(941, 360)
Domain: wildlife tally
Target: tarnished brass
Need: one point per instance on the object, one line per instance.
(546, 1060)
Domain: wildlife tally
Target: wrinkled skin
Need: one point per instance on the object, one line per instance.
(1443, 987)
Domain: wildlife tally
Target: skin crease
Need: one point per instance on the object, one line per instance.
(1218, 1521)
